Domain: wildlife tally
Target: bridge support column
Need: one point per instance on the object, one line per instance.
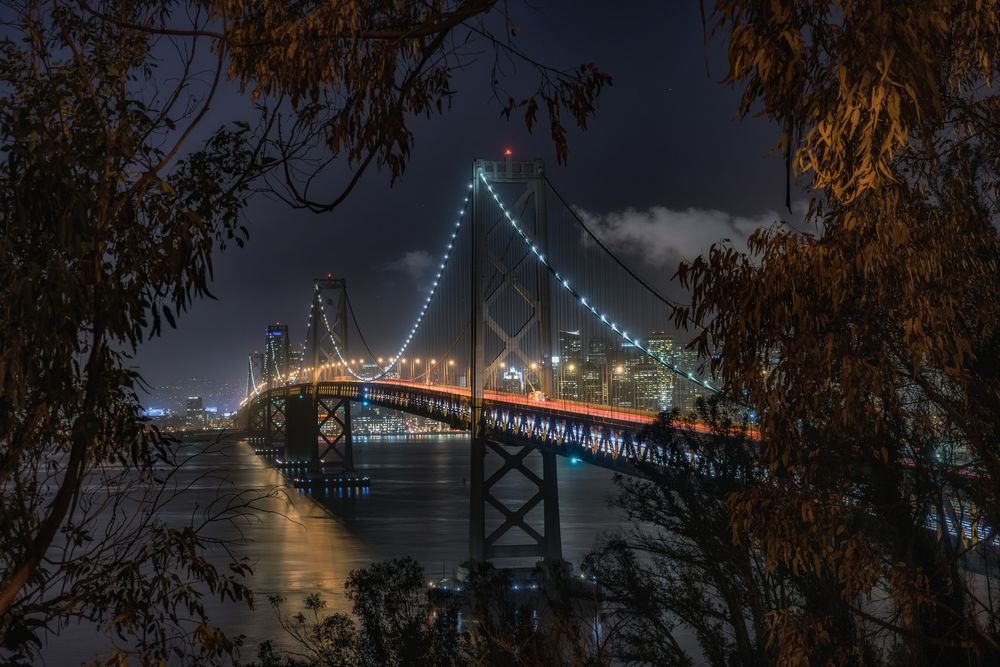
(257, 419)
(553, 534)
(275, 419)
(338, 447)
(488, 542)
(477, 502)
(302, 431)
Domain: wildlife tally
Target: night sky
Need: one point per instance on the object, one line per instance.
(666, 142)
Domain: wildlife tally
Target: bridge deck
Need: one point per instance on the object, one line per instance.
(606, 436)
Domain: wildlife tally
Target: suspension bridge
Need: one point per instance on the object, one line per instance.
(533, 336)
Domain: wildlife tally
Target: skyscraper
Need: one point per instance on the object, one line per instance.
(570, 364)
(194, 416)
(570, 346)
(598, 349)
(276, 352)
(593, 383)
(686, 392)
(662, 392)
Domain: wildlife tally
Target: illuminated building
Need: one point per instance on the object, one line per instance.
(570, 364)
(660, 393)
(194, 416)
(276, 353)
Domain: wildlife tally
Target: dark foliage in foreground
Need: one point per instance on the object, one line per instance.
(687, 585)
(393, 623)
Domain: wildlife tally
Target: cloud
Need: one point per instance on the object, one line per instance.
(663, 236)
(415, 264)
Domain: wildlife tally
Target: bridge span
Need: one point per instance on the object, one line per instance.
(604, 436)
(526, 302)
(311, 422)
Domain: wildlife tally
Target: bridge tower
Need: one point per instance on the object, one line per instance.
(322, 418)
(498, 281)
(256, 413)
(255, 372)
(327, 327)
(276, 367)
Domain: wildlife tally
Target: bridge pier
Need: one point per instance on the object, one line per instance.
(338, 451)
(309, 442)
(256, 419)
(489, 545)
(302, 432)
(275, 418)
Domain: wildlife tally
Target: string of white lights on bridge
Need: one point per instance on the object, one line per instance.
(562, 280)
(253, 380)
(446, 255)
(603, 317)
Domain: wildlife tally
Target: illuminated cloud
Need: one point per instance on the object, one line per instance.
(662, 236)
(416, 265)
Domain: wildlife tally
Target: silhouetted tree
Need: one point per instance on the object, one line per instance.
(394, 624)
(869, 347)
(680, 588)
(114, 197)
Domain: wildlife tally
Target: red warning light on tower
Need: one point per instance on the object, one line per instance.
(508, 153)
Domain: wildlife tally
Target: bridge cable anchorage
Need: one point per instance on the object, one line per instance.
(442, 265)
(602, 317)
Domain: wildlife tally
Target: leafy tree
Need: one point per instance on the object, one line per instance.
(514, 628)
(678, 589)
(869, 347)
(113, 199)
(393, 624)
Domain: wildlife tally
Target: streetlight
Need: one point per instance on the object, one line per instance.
(432, 362)
(451, 363)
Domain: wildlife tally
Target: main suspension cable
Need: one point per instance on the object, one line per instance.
(603, 317)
